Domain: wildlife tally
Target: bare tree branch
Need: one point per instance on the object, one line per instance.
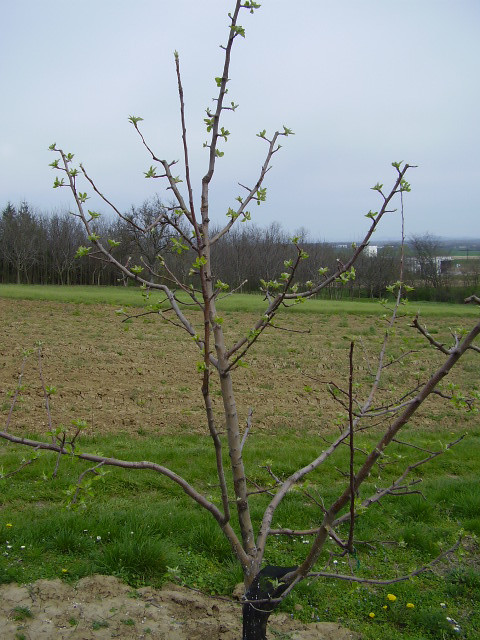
(247, 430)
(408, 576)
(140, 466)
(441, 347)
(352, 452)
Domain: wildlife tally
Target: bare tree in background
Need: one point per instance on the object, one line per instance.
(426, 249)
(63, 237)
(20, 240)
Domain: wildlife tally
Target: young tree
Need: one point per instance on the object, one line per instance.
(191, 234)
(62, 239)
(427, 249)
(141, 235)
(19, 237)
(375, 273)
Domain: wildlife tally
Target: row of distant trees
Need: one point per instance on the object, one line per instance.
(40, 248)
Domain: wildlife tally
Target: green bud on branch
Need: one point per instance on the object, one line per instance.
(261, 195)
(199, 262)
(82, 251)
(223, 286)
(135, 120)
(151, 173)
(137, 269)
(249, 4)
(238, 30)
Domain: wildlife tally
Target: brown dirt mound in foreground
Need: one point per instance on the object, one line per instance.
(102, 607)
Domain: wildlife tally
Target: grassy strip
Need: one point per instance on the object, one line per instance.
(136, 525)
(131, 296)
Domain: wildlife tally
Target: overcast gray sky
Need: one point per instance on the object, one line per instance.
(360, 83)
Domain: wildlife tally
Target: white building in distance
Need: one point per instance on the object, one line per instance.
(371, 250)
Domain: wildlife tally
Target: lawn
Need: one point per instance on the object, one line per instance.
(253, 303)
(137, 387)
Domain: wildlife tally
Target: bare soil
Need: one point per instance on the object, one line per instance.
(141, 378)
(101, 607)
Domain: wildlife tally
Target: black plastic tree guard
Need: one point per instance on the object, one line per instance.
(255, 616)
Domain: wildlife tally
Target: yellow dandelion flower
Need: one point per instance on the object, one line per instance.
(371, 614)
(64, 570)
(9, 524)
(410, 605)
(384, 606)
(391, 597)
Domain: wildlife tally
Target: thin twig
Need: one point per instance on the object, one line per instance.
(59, 455)
(352, 451)
(275, 326)
(247, 430)
(408, 576)
(81, 477)
(407, 353)
(380, 493)
(260, 489)
(45, 394)
(24, 464)
(17, 392)
(438, 345)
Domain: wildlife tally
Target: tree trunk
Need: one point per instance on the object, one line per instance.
(255, 616)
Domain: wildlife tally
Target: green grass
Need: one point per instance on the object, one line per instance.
(100, 624)
(140, 527)
(465, 252)
(22, 613)
(131, 296)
